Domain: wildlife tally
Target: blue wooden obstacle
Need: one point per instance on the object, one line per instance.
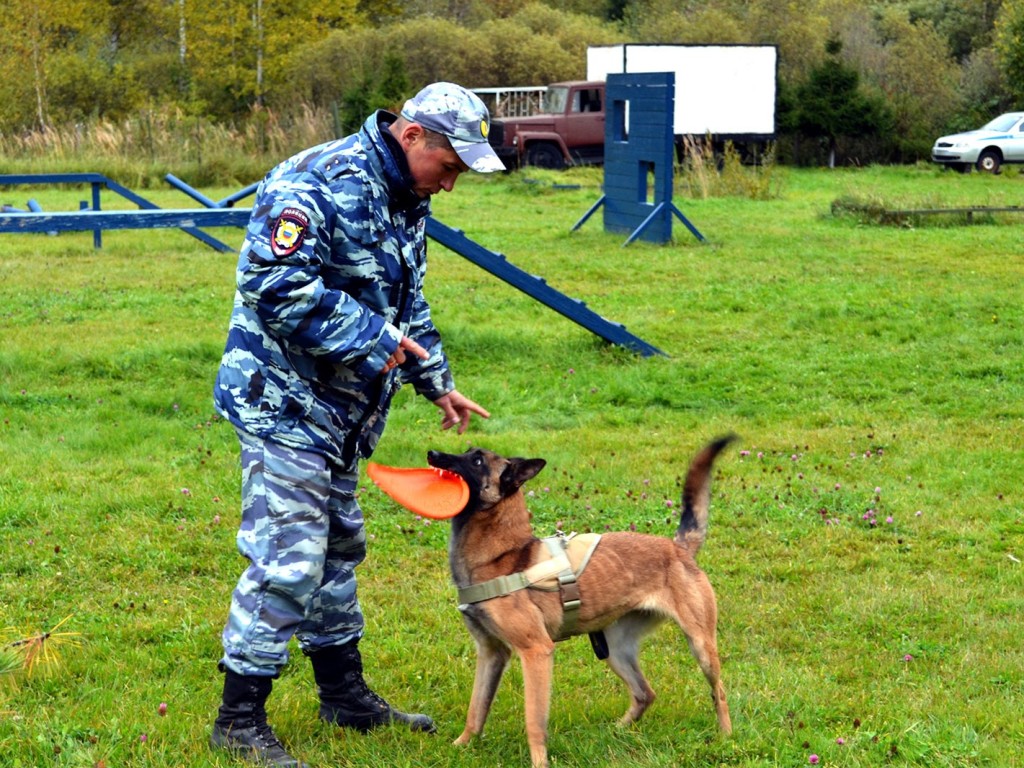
(221, 214)
(638, 147)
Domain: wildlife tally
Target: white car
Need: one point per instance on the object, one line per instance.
(987, 149)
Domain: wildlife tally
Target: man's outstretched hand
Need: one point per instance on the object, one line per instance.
(457, 409)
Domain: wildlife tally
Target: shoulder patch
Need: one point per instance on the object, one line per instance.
(288, 232)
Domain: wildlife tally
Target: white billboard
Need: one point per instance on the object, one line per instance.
(720, 89)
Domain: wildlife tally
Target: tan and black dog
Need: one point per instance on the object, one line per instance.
(630, 584)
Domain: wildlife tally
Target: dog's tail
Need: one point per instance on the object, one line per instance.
(693, 522)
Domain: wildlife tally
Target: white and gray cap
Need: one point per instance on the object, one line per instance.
(460, 115)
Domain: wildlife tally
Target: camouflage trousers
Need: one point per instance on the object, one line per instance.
(302, 532)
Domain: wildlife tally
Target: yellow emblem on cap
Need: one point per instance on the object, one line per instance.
(483, 128)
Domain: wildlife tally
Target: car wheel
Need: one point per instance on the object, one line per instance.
(544, 155)
(989, 160)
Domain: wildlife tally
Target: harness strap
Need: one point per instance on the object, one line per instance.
(499, 587)
(555, 573)
(513, 582)
(567, 586)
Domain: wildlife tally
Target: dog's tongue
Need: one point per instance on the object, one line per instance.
(427, 491)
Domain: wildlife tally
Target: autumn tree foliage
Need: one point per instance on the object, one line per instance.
(935, 65)
(1009, 45)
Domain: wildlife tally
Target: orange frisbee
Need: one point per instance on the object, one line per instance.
(427, 491)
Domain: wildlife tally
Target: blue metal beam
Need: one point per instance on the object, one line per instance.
(80, 221)
(199, 197)
(534, 286)
(98, 181)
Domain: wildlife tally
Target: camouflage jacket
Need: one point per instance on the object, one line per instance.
(329, 278)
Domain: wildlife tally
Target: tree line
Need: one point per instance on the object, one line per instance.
(867, 81)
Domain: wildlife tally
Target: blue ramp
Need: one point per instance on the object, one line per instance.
(536, 287)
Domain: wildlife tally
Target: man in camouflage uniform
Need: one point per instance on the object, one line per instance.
(329, 320)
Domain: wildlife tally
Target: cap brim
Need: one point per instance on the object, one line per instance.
(429, 492)
(477, 155)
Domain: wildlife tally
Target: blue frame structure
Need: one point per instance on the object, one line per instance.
(149, 215)
(221, 214)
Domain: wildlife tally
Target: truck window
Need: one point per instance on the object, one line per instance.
(590, 100)
(554, 101)
(587, 100)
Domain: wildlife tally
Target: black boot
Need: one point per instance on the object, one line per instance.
(346, 700)
(241, 725)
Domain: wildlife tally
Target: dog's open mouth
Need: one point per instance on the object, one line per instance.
(447, 475)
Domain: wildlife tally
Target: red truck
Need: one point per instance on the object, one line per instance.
(568, 131)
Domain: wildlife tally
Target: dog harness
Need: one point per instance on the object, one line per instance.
(566, 558)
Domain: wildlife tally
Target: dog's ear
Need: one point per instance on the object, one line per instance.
(518, 472)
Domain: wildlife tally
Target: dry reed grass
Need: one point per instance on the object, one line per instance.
(706, 173)
(165, 140)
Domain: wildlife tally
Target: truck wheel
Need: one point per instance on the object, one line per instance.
(544, 155)
(989, 160)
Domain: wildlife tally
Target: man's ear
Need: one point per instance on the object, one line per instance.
(409, 134)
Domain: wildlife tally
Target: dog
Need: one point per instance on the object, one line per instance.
(515, 599)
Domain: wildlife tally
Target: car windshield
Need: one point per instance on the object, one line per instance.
(554, 100)
(1001, 123)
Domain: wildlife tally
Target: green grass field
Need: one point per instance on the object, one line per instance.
(867, 529)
